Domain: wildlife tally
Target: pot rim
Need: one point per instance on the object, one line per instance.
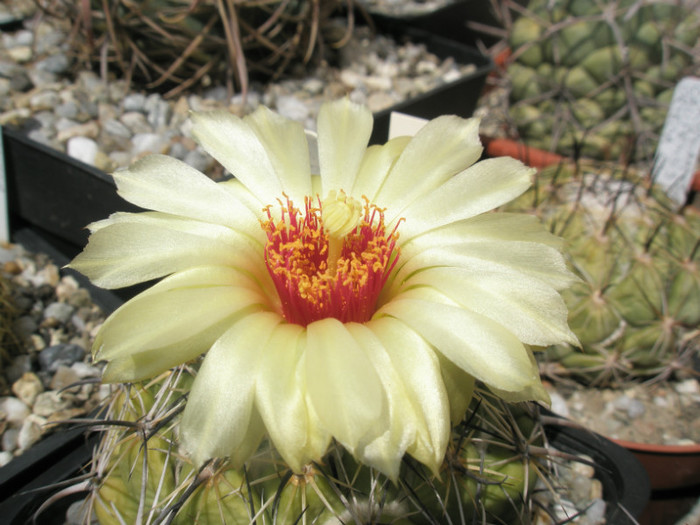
(659, 448)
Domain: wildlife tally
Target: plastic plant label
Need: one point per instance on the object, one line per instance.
(4, 211)
(679, 145)
(401, 124)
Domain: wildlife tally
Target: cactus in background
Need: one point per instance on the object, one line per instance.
(594, 79)
(492, 464)
(180, 44)
(636, 310)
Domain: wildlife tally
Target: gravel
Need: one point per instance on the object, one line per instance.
(47, 375)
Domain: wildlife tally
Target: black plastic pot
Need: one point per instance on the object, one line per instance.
(626, 486)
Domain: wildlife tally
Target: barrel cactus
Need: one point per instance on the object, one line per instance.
(594, 79)
(494, 461)
(636, 310)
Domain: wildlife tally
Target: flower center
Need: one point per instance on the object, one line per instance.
(332, 260)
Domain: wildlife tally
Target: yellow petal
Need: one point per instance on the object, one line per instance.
(376, 164)
(343, 386)
(534, 260)
(344, 129)
(232, 142)
(526, 306)
(504, 227)
(175, 320)
(443, 147)
(285, 144)
(219, 418)
(479, 346)
(169, 185)
(384, 447)
(459, 386)
(418, 368)
(130, 248)
(478, 189)
(281, 398)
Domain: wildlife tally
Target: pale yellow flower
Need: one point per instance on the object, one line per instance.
(357, 305)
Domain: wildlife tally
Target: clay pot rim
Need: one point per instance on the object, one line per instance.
(658, 448)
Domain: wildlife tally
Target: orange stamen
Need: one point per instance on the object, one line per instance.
(311, 288)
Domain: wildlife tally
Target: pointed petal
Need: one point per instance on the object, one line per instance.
(478, 189)
(219, 418)
(529, 308)
(384, 447)
(460, 388)
(514, 258)
(343, 386)
(499, 226)
(129, 248)
(169, 185)
(443, 147)
(281, 398)
(232, 142)
(174, 321)
(479, 346)
(344, 129)
(418, 367)
(376, 165)
(285, 144)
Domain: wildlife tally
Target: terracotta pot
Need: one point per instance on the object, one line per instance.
(669, 466)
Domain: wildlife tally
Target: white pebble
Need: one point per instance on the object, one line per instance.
(82, 149)
(5, 458)
(15, 411)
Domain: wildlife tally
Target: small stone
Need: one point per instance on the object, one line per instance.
(15, 411)
(197, 160)
(19, 366)
(57, 64)
(25, 326)
(134, 102)
(44, 100)
(20, 81)
(117, 128)
(84, 370)
(9, 439)
(89, 130)
(82, 149)
(78, 513)
(636, 409)
(291, 107)
(61, 312)
(30, 432)
(596, 512)
(149, 143)
(5, 458)
(687, 386)
(27, 388)
(136, 122)
(582, 469)
(20, 54)
(61, 354)
(64, 377)
(49, 402)
(158, 111)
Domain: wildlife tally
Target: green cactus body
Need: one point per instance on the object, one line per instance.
(607, 69)
(488, 474)
(636, 310)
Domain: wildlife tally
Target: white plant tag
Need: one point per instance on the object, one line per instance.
(679, 145)
(401, 124)
(4, 210)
